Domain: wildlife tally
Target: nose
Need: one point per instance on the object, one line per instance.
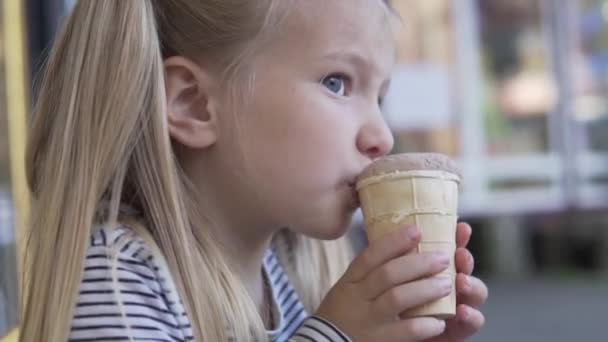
(375, 138)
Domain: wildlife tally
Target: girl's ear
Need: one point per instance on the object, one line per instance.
(191, 103)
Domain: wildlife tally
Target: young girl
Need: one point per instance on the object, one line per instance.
(192, 164)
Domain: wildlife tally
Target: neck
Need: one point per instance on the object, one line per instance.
(247, 257)
(243, 243)
(243, 236)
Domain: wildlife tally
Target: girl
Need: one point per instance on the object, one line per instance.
(192, 165)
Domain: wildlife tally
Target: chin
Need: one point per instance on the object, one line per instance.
(327, 220)
(331, 229)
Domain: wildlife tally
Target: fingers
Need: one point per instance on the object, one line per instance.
(411, 330)
(467, 322)
(379, 252)
(465, 263)
(471, 291)
(411, 295)
(403, 270)
(463, 234)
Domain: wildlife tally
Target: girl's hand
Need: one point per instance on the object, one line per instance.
(384, 281)
(471, 294)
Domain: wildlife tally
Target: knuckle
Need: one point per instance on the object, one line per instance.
(365, 259)
(400, 240)
(386, 275)
(396, 299)
(402, 236)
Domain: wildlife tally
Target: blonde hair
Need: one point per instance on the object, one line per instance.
(99, 135)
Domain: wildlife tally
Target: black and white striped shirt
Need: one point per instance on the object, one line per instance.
(154, 312)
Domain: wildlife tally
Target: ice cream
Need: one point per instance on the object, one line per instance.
(415, 189)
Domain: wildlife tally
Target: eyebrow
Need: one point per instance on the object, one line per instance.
(352, 57)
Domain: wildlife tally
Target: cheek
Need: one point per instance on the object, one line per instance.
(304, 136)
(298, 151)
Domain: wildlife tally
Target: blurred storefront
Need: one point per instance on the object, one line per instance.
(516, 92)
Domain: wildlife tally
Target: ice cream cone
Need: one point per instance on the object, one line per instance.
(421, 190)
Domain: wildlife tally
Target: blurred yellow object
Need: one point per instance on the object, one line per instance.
(16, 97)
(12, 337)
(16, 100)
(15, 69)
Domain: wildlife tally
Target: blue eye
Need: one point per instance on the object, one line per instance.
(336, 84)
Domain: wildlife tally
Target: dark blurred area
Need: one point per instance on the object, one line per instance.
(516, 92)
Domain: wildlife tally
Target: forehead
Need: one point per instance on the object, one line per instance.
(361, 26)
(350, 16)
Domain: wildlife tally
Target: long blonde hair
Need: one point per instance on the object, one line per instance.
(99, 135)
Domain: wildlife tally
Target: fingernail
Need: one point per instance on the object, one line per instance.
(413, 232)
(467, 283)
(445, 283)
(442, 258)
(465, 315)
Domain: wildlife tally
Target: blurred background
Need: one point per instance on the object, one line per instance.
(517, 92)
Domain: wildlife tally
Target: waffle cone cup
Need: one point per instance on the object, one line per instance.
(420, 190)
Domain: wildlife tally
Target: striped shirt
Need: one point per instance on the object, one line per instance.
(154, 312)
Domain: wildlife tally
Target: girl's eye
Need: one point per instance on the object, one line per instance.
(336, 84)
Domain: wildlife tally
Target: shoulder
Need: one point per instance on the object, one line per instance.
(119, 256)
(124, 291)
(123, 245)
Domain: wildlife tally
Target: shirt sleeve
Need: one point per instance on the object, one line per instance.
(316, 329)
